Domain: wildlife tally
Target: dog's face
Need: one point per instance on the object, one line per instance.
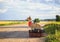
(29, 19)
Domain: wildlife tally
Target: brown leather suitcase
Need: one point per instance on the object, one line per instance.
(36, 34)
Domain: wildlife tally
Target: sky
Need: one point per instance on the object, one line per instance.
(21, 9)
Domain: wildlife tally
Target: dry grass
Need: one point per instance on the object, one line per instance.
(48, 22)
(25, 22)
(7, 22)
(4, 22)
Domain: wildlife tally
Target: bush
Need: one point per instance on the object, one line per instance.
(53, 32)
(36, 20)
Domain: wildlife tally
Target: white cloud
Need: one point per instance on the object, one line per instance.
(1, 0)
(29, 5)
(30, 8)
(3, 10)
(48, 0)
(56, 8)
(38, 5)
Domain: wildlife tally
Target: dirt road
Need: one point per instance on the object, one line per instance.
(17, 33)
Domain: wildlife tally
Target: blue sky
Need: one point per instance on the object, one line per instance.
(21, 9)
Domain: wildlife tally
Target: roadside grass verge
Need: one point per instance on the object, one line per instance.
(53, 31)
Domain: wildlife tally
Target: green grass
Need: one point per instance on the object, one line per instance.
(53, 31)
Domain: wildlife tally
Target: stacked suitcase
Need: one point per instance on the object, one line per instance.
(37, 33)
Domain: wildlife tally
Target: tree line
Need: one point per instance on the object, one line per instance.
(38, 20)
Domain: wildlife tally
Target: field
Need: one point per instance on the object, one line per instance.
(3, 23)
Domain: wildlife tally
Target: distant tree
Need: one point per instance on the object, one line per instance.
(57, 18)
(36, 20)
